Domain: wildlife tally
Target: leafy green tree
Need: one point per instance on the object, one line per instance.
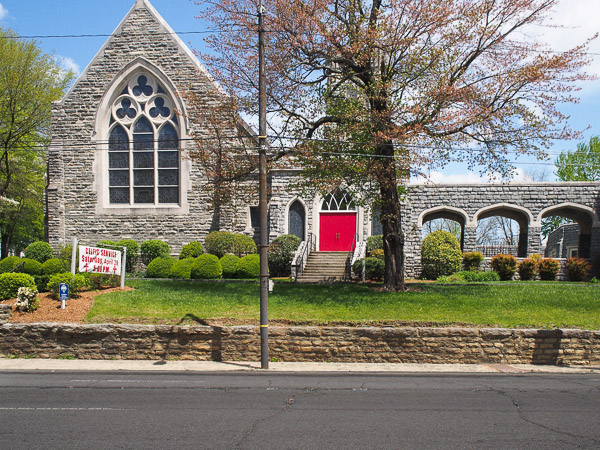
(29, 82)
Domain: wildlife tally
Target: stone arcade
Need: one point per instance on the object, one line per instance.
(118, 166)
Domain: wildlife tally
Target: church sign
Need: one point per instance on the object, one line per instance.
(99, 260)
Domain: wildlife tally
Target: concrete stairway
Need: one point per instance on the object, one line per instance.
(324, 267)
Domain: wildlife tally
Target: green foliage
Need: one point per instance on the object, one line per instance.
(248, 266)
(577, 269)
(31, 266)
(65, 253)
(9, 263)
(77, 283)
(133, 253)
(527, 269)
(548, 269)
(219, 243)
(206, 267)
(280, 255)
(52, 266)
(41, 282)
(374, 243)
(191, 250)
(39, 250)
(469, 276)
(581, 165)
(154, 248)
(440, 254)
(182, 268)
(374, 268)
(505, 266)
(27, 299)
(99, 281)
(229, 264)
(472, 260)
(160, 267)
(107, 243)
(11, 282)
(378, 253)
(243, 245)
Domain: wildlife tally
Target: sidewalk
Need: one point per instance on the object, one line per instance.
(296, 367)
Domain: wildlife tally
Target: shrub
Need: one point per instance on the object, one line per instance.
(206, 267)
(30, 266)
(9, 263)
(41, 282)
(229, 265)
(378, 253)
(52, 266)
(527, 269)
(160, 267)
(440, 254)
(182, 268)
(219, 243)
(548, 269)
(243, 245)
(133, 253)
(472, 260)
(11, 282)
(107, 243)
(505, 266)
(65, 254)
(39, 250)
(249, 267)
(470, 276)
(101, 280)
(374, 268)
(191, 250)
(281, 252)
(154, 248)
(577, 269)
(374, 243)
(27, 299)
(77, 283)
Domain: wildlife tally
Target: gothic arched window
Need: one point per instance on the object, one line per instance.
(143, 145)
(338, 200)
(296, 219)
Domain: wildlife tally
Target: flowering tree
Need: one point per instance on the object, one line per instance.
(368, 92)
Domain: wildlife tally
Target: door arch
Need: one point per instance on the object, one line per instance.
(337, 222)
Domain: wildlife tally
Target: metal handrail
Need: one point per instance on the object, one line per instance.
(17, 267)
(310, 246)
(348, 276)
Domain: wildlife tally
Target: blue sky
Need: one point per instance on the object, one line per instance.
(578, 20)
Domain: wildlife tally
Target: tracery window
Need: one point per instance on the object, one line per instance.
(338, 200)
(143, 145)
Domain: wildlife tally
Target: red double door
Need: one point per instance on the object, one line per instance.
(337, 231)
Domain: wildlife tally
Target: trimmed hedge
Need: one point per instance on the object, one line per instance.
(229, 265)
(160, 267)
(577, 269)
(281, 252)
(107, 243)
(31, 267)
(374, 268)
(219, 243)
(154, 248)
(52, 266)
(133, 253)
(206, 267)
(440, 254)
(374, 243)
(472, 260)
(191, 250)
(505, 266)
(182, 269)
(39, 250)
(527, 269)
(548, 269)
(11, 282)
(9, 263)
(77, 283)
(470, 276)
(248, 267)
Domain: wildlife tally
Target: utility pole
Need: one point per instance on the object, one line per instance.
(262, 193)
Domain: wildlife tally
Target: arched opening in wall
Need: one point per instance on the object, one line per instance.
(444, 219)
(337, 222)
(502, 229)
(297, 220)
(567, 229)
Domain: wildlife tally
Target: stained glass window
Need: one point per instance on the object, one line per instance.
(296, 219)
(143, 144)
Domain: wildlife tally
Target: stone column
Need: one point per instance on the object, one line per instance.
(469, 243)
(534, 241)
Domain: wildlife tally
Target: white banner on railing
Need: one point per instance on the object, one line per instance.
(99, 260)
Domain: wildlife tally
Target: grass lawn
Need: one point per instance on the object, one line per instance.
(528, 304)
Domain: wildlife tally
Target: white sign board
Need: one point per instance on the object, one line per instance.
(99, 260)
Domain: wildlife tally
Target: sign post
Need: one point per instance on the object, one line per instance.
(63, 289)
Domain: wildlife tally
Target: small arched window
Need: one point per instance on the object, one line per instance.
(143, 145)
(297, 219)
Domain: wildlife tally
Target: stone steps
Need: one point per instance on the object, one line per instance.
(324, 267)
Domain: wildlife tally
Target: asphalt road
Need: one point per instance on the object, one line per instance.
(254, 410)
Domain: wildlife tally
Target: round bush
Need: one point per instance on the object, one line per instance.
(182, 269)
(374, 243)
(505, 266)
(107, 243)
(31, 266)
(219, 243)
(39, 250)
(160, 267)
(577, 269)
(154, 248)
(440, 254)
(191, 250)
(281, 252)
(11, 282)
(378, 253)
(527, 269)
(249, 267)
(472, 260)
(243, 245)
(548, 269)
(229, 265)
(77, 283)
(52, 266)
(374, 268)
(206, 267)
(9, 263)
(133, 253)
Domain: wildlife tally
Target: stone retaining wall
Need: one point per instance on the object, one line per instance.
(335, 344)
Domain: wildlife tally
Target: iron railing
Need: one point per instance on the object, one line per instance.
(348, 274)
(311, 245)
(489, 251)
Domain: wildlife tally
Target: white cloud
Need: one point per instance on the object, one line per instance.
(435, 177)
(3, 12)
(69, 64)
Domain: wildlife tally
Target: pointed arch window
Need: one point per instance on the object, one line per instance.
(297, 219)
(143, 145)
(338, 200)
